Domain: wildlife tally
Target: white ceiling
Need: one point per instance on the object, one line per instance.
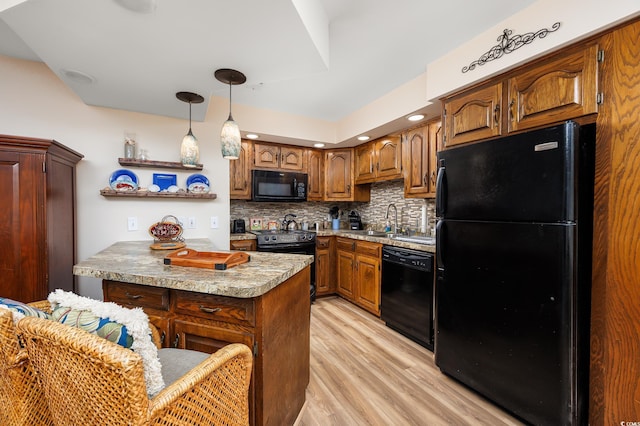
(318, 58)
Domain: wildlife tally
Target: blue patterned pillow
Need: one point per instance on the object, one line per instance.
(86, 320)
(23, 309)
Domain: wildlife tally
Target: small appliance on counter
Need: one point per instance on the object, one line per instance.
(238, 226)
(355, 222)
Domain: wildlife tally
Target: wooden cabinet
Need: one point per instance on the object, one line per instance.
(244, 245)
(339, 178)
(240, 173)
(325, 265)
(37, 190)
(315, 172)
(275, 325)
(282, 157)
(561, 88)
(420, 148)
(378, 160)
(358, 275)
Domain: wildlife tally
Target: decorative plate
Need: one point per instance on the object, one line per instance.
(164, 180)
(123, 180)
(164, 231)
(197, 183)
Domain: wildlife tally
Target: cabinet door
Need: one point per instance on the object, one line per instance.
(435, 144)
(389, 158)
(338, 175)
(365, 163)
(325, 266)
(368, 283)
(199, 335)
(473, 115)
(292, 158)
(240, 174)
(417, 161)
(315, 185)
(266, 155)
(560, 90)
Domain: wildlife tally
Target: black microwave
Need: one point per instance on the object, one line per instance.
(270, 185)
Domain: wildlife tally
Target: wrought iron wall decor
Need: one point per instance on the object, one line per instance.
(508, 45)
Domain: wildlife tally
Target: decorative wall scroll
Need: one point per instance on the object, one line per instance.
(508, 45)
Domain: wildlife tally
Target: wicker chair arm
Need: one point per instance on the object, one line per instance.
(226, 373)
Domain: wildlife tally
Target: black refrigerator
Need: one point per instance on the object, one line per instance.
(513, 278)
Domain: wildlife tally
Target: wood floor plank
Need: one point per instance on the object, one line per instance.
(364, 373)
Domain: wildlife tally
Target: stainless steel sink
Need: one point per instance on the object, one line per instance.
(367, 232)
(415, 239)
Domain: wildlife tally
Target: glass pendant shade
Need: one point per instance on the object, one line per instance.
(189, 151)
(230, 139)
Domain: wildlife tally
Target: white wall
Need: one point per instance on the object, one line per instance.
(34, 102)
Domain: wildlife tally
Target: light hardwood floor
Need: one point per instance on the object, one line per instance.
(363, 373)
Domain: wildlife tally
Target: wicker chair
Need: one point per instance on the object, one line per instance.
(21, 401)
(88, 380)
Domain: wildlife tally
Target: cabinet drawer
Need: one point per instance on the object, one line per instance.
(225, 309)
(136, 295)
(345, 244)
(323, 242)
(369, 249)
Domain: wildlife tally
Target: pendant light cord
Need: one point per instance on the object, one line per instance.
(230, 117)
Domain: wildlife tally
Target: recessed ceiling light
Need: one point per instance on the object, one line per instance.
(138, 6)
(415, 117)
(363, 138)
(78, 76)
(252, 136)
(318, 145)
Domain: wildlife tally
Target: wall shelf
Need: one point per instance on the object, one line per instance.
(147, 194)
(132, 162)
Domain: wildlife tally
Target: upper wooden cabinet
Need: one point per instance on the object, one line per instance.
(240, 173)
(378, 160)
(339, 178)
(561, 88)
(315, 171)
(282, 157)
(420, 147)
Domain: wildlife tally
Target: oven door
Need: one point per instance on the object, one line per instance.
(296, 248)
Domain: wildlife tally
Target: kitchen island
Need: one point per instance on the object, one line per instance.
(263, 303)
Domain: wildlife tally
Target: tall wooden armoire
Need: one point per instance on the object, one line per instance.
(37, 217)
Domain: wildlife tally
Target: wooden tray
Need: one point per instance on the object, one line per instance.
(206, 259)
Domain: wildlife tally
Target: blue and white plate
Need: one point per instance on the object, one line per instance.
(123, 180)
(164, 180)
(197, 183)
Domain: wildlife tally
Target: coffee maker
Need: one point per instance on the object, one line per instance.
(355, 222)
(238, 226)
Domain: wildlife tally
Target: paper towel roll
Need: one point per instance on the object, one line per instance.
(423, 227)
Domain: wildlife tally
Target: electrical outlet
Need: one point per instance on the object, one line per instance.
(191, 222)
(214, 222)
(132, 223)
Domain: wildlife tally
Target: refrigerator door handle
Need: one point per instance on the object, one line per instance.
(440, 191)
(439, 237)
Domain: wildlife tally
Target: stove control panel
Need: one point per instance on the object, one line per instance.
(284, 237)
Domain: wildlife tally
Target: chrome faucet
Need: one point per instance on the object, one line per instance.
(395, 222)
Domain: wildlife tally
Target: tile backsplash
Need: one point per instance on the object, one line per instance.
(372, 213)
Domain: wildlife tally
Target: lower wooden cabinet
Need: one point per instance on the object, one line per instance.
(358, 274)
(325, 266)
(243, 245)
(275, 326)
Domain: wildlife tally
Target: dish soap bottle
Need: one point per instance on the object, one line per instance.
(387, 227)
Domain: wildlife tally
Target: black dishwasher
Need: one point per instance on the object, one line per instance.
(406, 303)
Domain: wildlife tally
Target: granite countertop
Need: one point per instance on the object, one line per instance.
(345, 233)
(382, 240)
(134, 262)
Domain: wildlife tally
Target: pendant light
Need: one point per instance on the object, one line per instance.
(189, 151)
(230, 135)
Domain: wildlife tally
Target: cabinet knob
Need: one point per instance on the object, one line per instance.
(496, 114)
(176, 340)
